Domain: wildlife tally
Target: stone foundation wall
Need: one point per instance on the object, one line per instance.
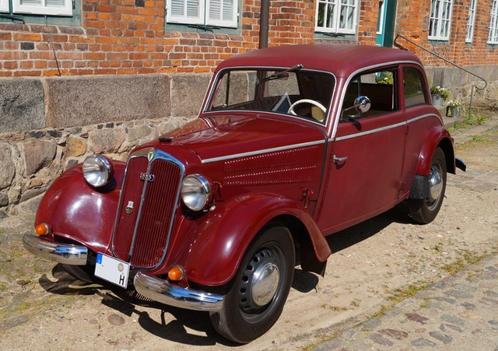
(460, 83)
(31, 160)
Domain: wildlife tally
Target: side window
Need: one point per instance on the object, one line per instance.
(378, 86)
(413, 87)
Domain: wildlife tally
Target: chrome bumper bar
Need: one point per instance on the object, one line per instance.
(166, 293)
(63, 253)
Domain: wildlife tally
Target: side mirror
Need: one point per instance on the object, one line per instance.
(362, 104)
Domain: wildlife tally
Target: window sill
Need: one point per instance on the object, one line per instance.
(199, 28)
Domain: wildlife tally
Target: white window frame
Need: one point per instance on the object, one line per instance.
(43, 9)
(203, 18)
(469, 36)
(493, 24)
(336, 18)
(439, 19)
(4, 5)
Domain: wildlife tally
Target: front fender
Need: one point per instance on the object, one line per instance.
(437, 136)
(77, 211)
(213, 257)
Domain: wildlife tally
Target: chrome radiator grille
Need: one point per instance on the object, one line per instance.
(147, 205)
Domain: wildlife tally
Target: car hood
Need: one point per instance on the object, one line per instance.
(230, 134)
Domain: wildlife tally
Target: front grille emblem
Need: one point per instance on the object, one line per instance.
(129, 207)
(147, 177)
(150, 155)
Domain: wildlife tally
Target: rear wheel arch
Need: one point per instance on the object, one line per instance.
(447, 146)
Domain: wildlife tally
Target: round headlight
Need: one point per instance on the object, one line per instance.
(195, 192)
(97, 170)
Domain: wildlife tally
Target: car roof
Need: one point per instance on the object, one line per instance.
(342, 60)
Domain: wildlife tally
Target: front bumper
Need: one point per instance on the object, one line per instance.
(76, 255)
(166, 293)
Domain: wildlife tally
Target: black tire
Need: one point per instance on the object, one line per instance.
(424, 211)
(241, 319)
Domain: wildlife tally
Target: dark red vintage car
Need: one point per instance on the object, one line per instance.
(292, 144)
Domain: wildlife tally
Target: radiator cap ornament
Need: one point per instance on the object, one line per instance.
(150, 155)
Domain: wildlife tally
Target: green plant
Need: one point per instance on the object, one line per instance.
(454, 103)
(443, 92)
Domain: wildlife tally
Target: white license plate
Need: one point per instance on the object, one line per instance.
(112, 270)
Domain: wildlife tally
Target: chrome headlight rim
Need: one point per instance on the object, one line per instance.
(100, 177)
(199, 200)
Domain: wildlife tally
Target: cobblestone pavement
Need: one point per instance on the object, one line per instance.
(457, 313)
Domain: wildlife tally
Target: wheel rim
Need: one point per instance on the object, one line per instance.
(435, 186)
(260, 281)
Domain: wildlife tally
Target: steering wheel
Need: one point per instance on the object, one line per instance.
(306, 101)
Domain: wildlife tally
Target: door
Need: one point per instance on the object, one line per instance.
(385, 22)
(363, 175)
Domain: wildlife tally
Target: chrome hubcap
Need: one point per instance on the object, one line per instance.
(260, 281)
(435, 184)
(265, 283)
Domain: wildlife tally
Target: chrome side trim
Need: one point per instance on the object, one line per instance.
(173, 295)
(70, 254)
(372, 131)
(333, 126)
(262, 151)
(381, 129)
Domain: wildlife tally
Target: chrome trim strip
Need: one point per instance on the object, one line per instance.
(263, 151)
(70, 254)
(214, 80)
(173, 295)
(333, 126)
(381, 129)
(372, 131)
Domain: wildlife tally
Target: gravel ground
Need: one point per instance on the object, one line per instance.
(377, 267)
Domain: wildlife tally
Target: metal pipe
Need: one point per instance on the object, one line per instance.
(264, 23)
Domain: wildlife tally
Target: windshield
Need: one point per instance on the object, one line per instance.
(294, 91)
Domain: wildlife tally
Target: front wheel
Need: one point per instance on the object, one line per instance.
(260, 288)
(424, 211)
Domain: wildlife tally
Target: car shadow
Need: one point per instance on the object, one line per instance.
(177, 329)
(364, 230)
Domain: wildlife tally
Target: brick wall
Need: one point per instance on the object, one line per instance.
(119, 37)
(413, 21)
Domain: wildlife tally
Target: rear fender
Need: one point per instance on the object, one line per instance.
(213, 257)
(437, 137)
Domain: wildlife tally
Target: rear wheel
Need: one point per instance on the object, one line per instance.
(260, 288)
(424, 211)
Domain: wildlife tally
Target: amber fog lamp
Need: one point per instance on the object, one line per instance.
(176, 273)
(196, 191)
(97, 170)
(42, 229)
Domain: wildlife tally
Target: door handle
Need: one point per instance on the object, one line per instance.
(339, 160)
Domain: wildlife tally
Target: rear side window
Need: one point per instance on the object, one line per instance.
(414, 88)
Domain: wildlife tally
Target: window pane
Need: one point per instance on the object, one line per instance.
(193, 8)
(55, 2)
(379, 87)
(178, 7)
(321, 14)
(228, 10)
(414, 91)
(273, 91)
(330, 16)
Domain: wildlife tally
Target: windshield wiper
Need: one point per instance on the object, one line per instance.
(284, 73)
